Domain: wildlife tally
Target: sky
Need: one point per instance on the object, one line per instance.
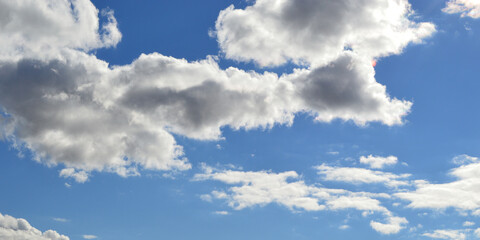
(239, 119)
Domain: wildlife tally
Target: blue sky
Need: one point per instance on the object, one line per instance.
(266, 120)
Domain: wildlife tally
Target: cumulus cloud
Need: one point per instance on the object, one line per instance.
(52, 110)
(461, 194)
(316, 32)
(467, 8)
(446, 234)
(67, 107)
(43, 29)
(19, 228)
(287, 189)
(87, 116)
(79, 176)
(378, 162)
(361, 175)
(393, 226)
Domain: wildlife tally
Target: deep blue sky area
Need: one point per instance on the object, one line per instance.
(440, 77)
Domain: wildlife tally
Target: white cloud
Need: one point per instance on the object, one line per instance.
(206, 197)
(344, 227)
(86, 116)
(378, 162)
(19, 228)
(470, 8)
(252, 189)
(461, 194)
(68, 107)
(89, 237)
(60, 219)
(80, 176)
(477, 232)
(393, 226)
(468, 224)
(361, 175)
(221, 213)
(446, 234)
(44, 29)
(316, 32)
(464, 159)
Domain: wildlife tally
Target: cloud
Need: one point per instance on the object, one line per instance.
(477, 232)
(461, 194)
(53, 111)
(344, 227)
(69, 108)
(44, 29)
(60, 219)
(316, 32)
(206, 197)
(464, 159)
(393, 226)
(361, 175)
(378, 162)
(19, 228)
(89, 237)
(80, 176)
(468, 224)
(446, 234)
(467, 8)
(252, 189)
(221, 213)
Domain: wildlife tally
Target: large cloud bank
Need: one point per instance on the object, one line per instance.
(68, 107)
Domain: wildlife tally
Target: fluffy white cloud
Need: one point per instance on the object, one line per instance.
(272, 32)
(361, 175)
(44, 29)
(287, 189)
(461, 194)
(378, 162)
(446, 234)
(20, 229)
(53, 110)
(79, 176)
(87, 116)
(470, 8)
(393, 226)
(68, 107)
